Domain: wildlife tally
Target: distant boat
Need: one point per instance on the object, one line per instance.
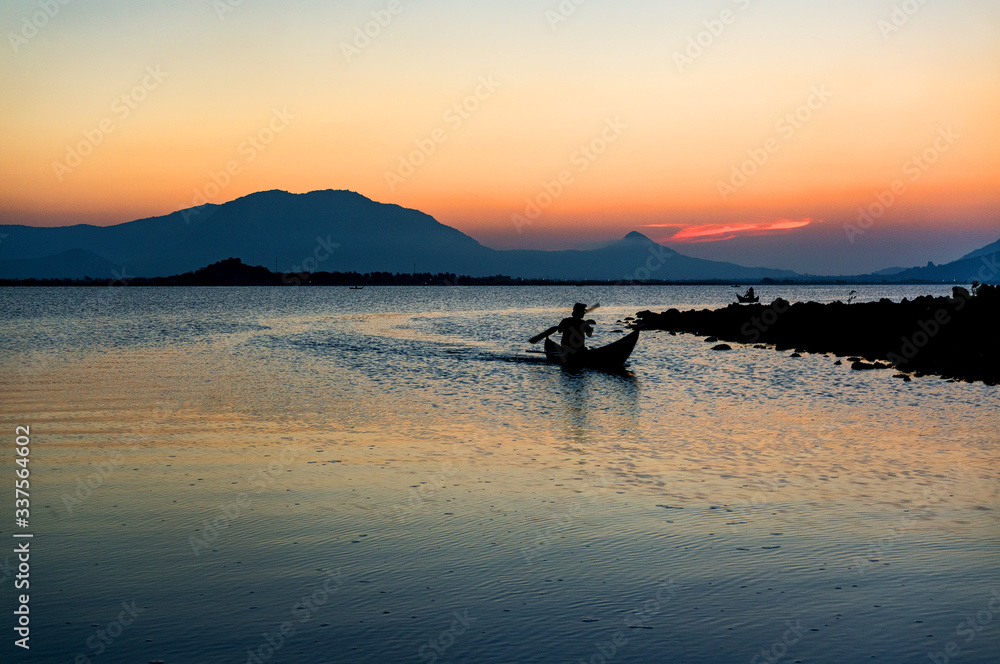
(607, 358)
(357, 287)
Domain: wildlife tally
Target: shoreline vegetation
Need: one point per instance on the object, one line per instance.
(952, 337)
(233, 272)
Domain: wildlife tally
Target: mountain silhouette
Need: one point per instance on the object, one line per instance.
(981, 265)
(330, 231)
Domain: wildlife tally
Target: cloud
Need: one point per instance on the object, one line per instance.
(720, 232)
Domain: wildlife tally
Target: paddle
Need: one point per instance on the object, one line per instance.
(538, 337)
(552, 330)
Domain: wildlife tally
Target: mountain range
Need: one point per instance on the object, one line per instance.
(342, 231)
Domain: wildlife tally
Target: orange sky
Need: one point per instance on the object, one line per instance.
(614, 119)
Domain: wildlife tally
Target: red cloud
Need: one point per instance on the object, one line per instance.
(719, 232)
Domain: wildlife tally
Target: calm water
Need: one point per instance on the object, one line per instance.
(386, 475)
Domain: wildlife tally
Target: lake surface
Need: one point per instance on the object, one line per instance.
(386, 475)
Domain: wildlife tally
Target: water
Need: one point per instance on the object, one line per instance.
(328, 475)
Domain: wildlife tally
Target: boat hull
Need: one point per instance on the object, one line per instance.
(610, 357)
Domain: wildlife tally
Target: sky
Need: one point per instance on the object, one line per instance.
(828, 138)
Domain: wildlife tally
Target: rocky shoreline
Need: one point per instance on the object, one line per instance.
(952, 337)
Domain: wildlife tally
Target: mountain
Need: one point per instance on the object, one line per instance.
(327, 231)
(324, 230)
(981, 265)
(988, 250)
(633, 258)
(889, 271)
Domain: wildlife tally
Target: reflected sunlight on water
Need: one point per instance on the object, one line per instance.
(218, 453)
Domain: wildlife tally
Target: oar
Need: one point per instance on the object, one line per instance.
(538, 337)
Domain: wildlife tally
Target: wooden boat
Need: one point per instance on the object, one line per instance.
(608, 357)
(744, 298)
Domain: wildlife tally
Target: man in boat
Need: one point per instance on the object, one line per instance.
(575, 330)
(749, 294)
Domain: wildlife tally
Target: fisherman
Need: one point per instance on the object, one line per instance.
(749, 294)
(575, 330)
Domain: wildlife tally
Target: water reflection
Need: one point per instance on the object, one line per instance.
(768, 487)
(598, 406)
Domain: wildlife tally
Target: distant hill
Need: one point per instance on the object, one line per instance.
(328, 231)
(889, 271)
(982, 265)
(988, 250)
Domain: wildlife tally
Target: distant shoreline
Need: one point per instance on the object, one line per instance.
(463, 281)
(233, 272)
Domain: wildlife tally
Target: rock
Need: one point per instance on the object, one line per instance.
(722, 347)
(906, 379)
(863, 331)
(711, 340)
(838, 363)
(795, 355)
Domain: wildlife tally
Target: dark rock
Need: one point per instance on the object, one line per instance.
(838, 363)
(795, 355)
(711, 340)
(722, 347)
(906, 379)
(951, 331)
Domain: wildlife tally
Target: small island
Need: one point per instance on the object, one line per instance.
(952, 337)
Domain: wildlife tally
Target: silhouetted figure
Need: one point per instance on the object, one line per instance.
(749, 294)
(575, 330)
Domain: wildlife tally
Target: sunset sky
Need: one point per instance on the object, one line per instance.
(747, 130)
